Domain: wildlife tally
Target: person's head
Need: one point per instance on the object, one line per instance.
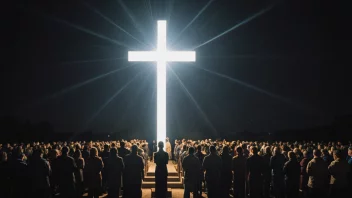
(184, 147)
(3, 156)
(77, 146)
(113, 151)
(122, 144)
(239, 150)
(77, 154)
(277, 150)
(106, 147)
(191, 150)
(337, 154)
(134, 149)
(38, 153)
(325, 152)
(292, 155)
(64, 150)
(254, 150)
(350, 151)
(225, 150)
(268, 150)
(212, 149)
(317, 153)
(93, 152)
(305, 154)
(18, 153)
(199, 148)
(160, 145)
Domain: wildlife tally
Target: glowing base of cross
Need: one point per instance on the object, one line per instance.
(161, 101)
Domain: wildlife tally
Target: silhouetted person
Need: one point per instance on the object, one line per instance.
(4, 176)
(339, 170)
(122, 151)
(317, 171)
(254, 167)
(66, 178)
(40, 171)
(19, 175)
(191, 167)
(53, 155)
(201, 180)
(277, 162)
(212, 166)
(94, 166)
(349, 160)
(105, 156)
(114, 170)
(226, 173)
(79, 172)
(239, 173)
(304, 176)
(161, 159)
(168, 148)
(133, 174)
(85, 153)
(292, 170)
(327, 157)
(267, 172)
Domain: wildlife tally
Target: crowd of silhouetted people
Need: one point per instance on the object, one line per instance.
(68, 169)
(263, 169)
(217, 168)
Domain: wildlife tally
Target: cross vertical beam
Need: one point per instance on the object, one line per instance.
(161, 83)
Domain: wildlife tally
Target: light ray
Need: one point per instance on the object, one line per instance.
(92, 61)
(135, 24)
(309, 109)
(133, 100)
(246, 85)
(76, 86)
(111, 99)
(91, 32)
(236, 26)
(205, 117)
(170, 9)
(150, 11)
(112, 22)
(190, 23)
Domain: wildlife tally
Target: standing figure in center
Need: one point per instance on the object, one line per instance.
(161, 160)
(168, 148)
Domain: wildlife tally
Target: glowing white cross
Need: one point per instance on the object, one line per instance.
(161, 56)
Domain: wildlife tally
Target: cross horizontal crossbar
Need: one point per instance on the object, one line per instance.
(168, 56)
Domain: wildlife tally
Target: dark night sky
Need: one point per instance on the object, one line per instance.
(297, 54)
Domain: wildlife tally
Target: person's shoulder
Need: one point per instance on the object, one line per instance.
(98, 159)
(45, 161)
(119, 158)
(333, 163)
(312, 161)
(70, 158)
(128, 156)
(140, 158)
